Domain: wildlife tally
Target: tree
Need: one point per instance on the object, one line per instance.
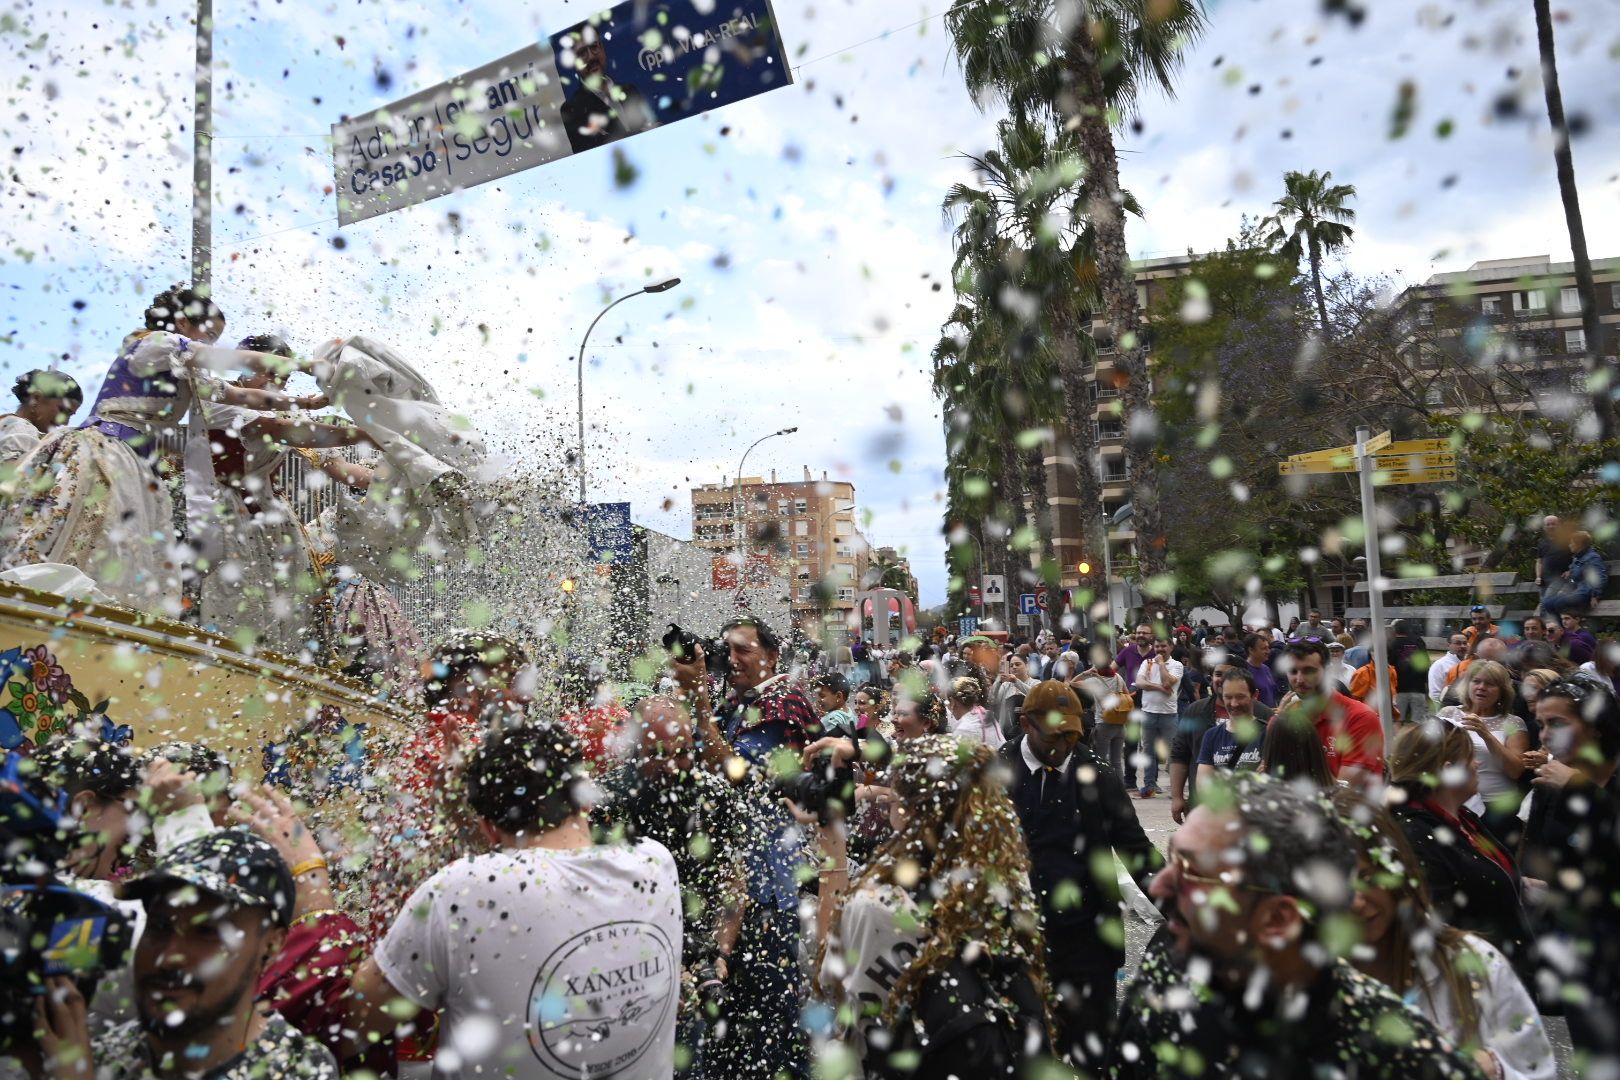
(1080, 69)
(1311, 221)
(1600, 371)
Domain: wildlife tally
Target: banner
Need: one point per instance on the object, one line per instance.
(609, 533)
(640, 65)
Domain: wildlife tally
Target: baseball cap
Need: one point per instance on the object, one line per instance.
(1055, 704)
(978, 639)
(232, 864)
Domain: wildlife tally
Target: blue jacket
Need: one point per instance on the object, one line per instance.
(1589, 573)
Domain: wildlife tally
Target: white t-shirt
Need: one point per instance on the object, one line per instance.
(547, 965)
(1155, 670)
(881, 933)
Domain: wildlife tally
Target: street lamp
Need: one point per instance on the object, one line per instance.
(736, 503)
(662, 286)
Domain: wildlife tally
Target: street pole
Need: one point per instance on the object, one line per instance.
(202, 153)
(736, 509)
(662, 286)
(1366, 464)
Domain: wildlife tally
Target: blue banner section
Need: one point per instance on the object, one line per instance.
(967, 626)
(607, 527)
(646, 63)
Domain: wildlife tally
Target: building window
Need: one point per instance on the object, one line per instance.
(1115, 474)
(1614, 296)
(801, 506)
(801, 528)
(1569, 301)
(803, 549)
(1110, 429)
(1530, 300)
(1426, 313)
(846, 594)
(1574, 341)
(1433, 395)
(1490, 305)
(781, 508)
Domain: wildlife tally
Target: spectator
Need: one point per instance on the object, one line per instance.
(1409, 656)
(1491, 650)
(520, 987)
(1292, 752)
(1479, 628)
(1352, 735)
(46, 399)
(969, 718)
(1013, 681)
(1553, 555)
(1572, 842)
(1457, 981)
(832, 703)
(1359, 651)
(1102, 688)
(1605, 663)
(1243, 981)
(1234, 743)
(916, 715)
(217, 909)
(1136, 650)
(1582, 585)
(1472, 878)
(1578, 643)
(1257, 655)
(1364, 685)
(941, 920)
(1338, 673)
(1500, 741)
(1189, 740)
(1337, 631)
(1077, 818)
(1312, 627)
(704, 823)
(1158, 685)
(1535, 629)
(1194, 679)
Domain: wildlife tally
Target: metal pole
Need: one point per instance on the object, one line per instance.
(580, 385)
(1366, 464)
(202, 138)
(736, 507)
(1108, 567)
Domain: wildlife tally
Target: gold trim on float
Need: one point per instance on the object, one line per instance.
(57, 615)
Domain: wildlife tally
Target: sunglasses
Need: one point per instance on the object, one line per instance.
(1231, 878)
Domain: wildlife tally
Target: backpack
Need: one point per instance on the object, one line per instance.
(970, 1021)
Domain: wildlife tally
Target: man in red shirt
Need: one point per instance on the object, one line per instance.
(1352, 735)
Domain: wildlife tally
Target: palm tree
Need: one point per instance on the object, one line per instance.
(1080, 68)
(1311, 221)
(1602, 381)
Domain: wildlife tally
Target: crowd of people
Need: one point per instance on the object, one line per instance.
(763, 871)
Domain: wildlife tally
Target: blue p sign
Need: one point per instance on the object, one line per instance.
(1027, 604)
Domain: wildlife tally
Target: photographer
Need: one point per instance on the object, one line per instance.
(760, 712)
(660, 795)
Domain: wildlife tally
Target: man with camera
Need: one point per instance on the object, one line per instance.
(660, 794)
(759, 713)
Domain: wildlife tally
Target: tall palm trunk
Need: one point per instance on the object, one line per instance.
(1039, 515)
(1598, 370)
(1316, 284)
(1107, 214)
(1079, 419)
(1011, 563)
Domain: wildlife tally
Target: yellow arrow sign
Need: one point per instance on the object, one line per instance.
(1403, 463)
(1417, 462)
(1325, 455)
(1312, 467)
(1378, 442)
(1428, 476)
(1417, 446)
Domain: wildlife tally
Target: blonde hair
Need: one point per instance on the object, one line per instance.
(1581, 537)
(1422, 751)
(1494, 673)
(1547, 676)
(967, 690)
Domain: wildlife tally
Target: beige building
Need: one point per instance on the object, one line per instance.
(1072, 522)
(804, 527)
(1523, 313)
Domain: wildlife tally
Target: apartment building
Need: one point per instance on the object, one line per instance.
(806, 527)
(1523, 313)
(1153, 276)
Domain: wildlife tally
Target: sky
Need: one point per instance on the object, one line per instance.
(805, 224)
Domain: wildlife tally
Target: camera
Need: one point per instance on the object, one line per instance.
(683, 645)
(46, 927)
(826, 789)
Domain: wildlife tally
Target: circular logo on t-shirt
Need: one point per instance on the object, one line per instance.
(601, 999)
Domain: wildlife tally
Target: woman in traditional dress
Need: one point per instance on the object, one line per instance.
(260, 575)
(90, 497)
(44, 400)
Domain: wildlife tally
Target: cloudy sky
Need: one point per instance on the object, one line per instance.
(805, 223)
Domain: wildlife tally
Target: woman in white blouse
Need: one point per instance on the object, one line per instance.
(1500, 743)
(1456, 980)
(45, 399)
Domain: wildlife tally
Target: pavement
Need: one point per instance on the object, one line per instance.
(1154, 815)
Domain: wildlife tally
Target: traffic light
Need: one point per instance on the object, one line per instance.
(1084, 568)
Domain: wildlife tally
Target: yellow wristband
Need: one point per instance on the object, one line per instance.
(308, 865)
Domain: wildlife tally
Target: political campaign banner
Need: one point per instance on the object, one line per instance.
(637, 66)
